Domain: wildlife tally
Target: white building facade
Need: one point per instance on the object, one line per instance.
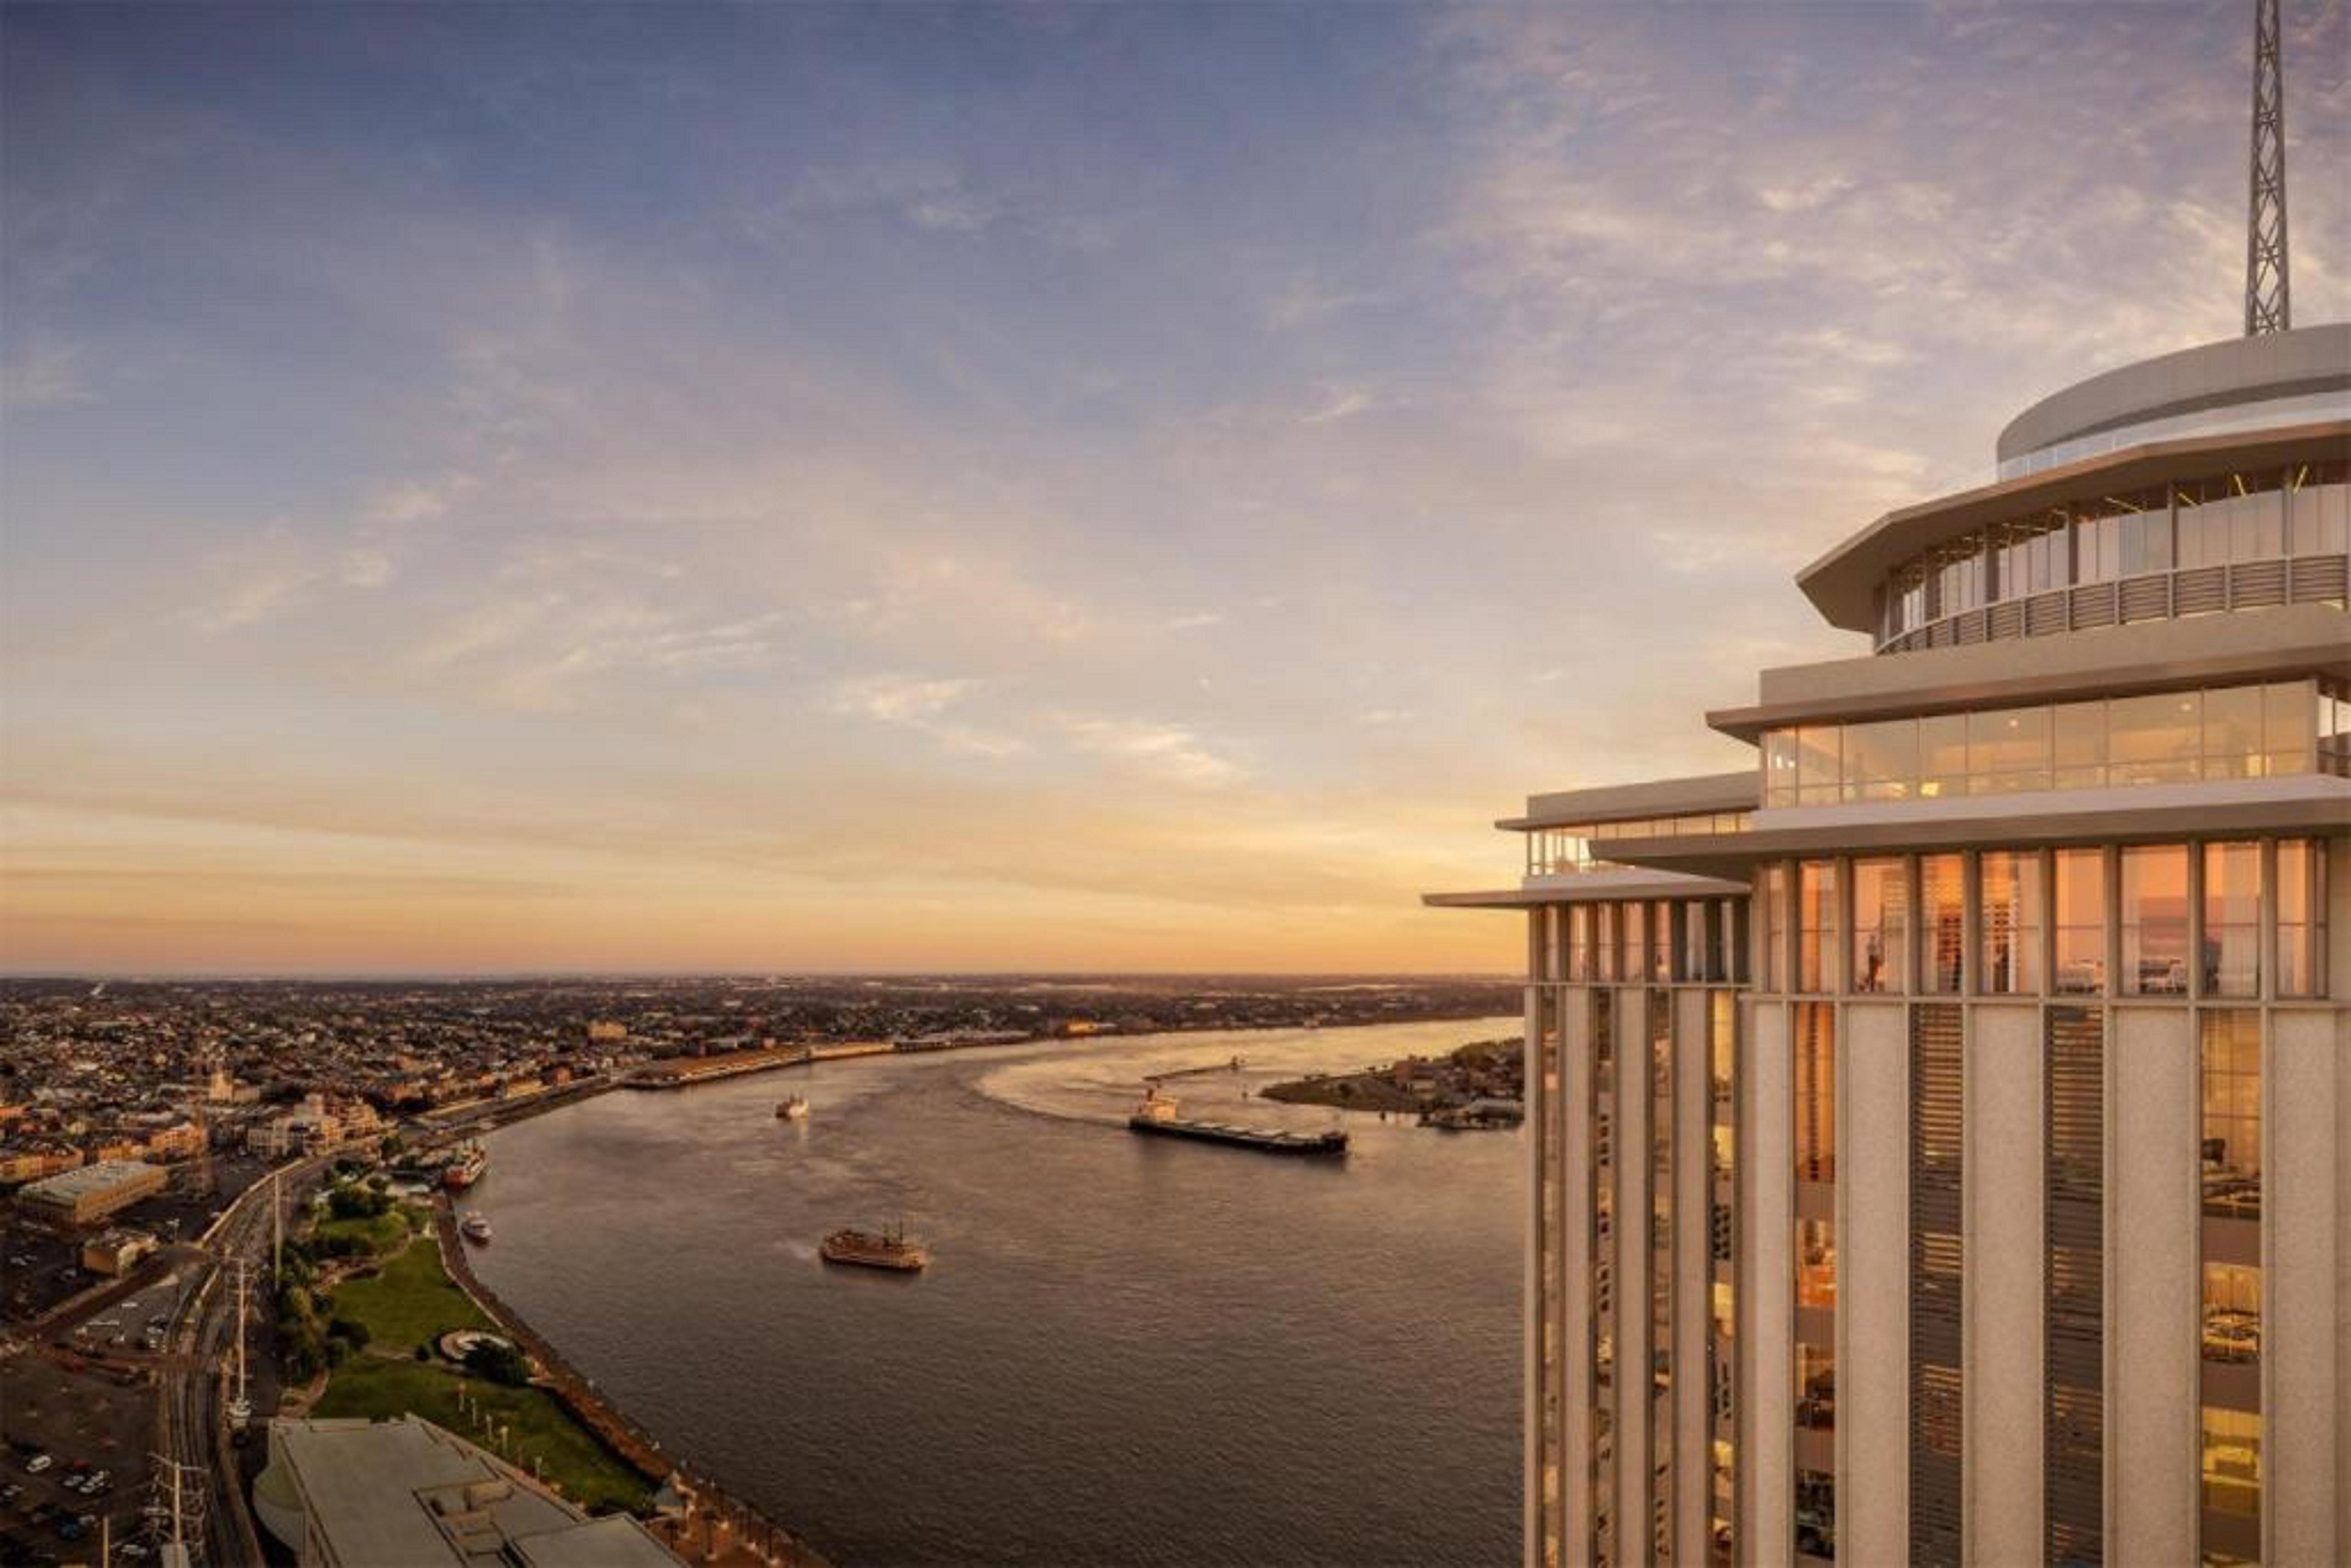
(1952, 1113)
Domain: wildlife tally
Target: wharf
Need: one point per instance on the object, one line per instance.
(684, 1072)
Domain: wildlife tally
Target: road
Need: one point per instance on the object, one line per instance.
(191, 1416)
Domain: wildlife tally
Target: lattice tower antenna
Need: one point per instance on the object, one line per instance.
(2268, 296)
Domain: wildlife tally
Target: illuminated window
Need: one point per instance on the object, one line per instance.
(2230, 1061)
(2155, 920)
(1774, 900)
(2233, 920)
(2232, 1313)
(2155, 739)
(2167, 737)
(2081, 922)
(2232, 1462)
(1942, 904)
(1816, 934)
(2301, 918)
(1881, 924)
(1815, 1093)
(2010, 941)
(1816, 1387)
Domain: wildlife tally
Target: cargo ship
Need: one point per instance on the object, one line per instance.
(1157, 1115)
(466, 1167)
(889, 1250)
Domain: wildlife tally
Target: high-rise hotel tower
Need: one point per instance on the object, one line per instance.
(1940, 1132)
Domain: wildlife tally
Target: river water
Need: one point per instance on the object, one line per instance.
(1125, 1350)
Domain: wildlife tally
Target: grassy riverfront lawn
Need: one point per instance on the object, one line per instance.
(382, 1233)
(413, 1300)
(569, 1455)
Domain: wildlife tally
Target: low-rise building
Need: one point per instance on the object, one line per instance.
(113, 1252)
(91, 1193)
(408, 1494)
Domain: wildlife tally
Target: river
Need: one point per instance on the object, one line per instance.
(1127, 1349)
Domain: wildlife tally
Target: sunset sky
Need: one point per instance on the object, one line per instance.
(541, 486)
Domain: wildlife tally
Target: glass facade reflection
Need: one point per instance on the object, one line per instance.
(2155, 920)
(2008, 940)
(1881, 924)
(2042, 921)
(2167, 737)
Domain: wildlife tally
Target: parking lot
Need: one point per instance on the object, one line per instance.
(88, 1423)
(38, 1270)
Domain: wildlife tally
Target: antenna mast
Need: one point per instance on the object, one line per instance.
(2269, 299)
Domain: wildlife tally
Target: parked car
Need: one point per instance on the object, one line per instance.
(38, 1463)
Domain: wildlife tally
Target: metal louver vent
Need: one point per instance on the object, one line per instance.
(2073, 1392)
(2252, 583)
(2045, 613)
(2006, 619)
(1937, 1284)
(2318, 580)
(2093, 605)
(2147, 598)
(2199, 590)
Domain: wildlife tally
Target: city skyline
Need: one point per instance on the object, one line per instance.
(565, 490)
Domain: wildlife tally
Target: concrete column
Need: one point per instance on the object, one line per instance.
(1574, 1284)
(2302, 1433)
(2006, 1246)
(1872, 1412)
(1633, 1399)
(1767, 1301)
(1538, 1062)
(2154, 1357)
(1693, 1286)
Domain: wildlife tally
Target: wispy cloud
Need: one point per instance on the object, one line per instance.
(1165, 751)
(45, 375)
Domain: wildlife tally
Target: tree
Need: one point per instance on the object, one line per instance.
(498, 1362)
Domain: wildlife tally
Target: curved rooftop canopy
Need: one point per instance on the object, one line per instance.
(2281, 398)
(2192, 392)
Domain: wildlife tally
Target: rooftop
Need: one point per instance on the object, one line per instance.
(407, 1494)
(71, 1186)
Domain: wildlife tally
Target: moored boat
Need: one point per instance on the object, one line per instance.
(465, 1166)
(475, 1225)
(887, 1249)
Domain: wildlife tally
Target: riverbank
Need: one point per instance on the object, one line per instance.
(1084, 1374)
(709, 1526)
(1486, 1070)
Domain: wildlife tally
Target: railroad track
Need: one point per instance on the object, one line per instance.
(192, 1422)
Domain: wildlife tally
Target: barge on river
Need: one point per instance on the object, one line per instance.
(1157, 1115)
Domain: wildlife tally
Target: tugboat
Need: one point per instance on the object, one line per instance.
(475, 1225)
(889, 1250)
(1157, 1113)
(791, 1108)
(466, 1167)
